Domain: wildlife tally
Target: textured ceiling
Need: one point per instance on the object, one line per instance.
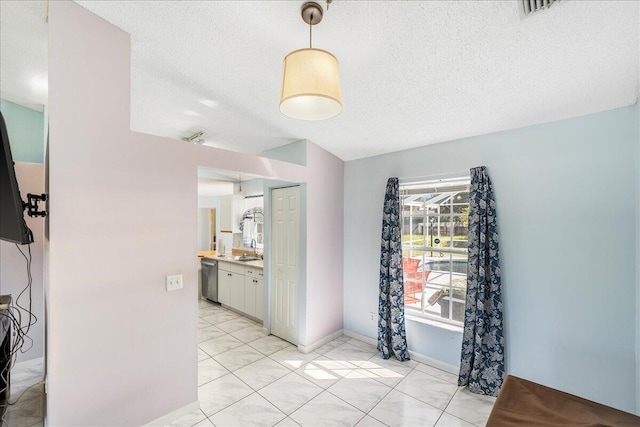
(412, 73)
(23, 53)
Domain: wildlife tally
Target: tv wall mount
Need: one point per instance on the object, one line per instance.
(32, 204)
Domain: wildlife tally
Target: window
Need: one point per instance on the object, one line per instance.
(435, 220)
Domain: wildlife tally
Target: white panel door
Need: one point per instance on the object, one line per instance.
(285, 262)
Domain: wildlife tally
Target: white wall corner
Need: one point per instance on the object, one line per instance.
(309, 348)
(175, 415)
(638, 250)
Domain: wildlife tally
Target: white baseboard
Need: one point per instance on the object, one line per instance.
(172, 416)
(363, 338)
(434, 363)
(309, 348)
(414, 355)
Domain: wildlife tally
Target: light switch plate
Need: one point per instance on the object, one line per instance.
(173, 282)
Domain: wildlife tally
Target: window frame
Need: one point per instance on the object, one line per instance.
(439, 187)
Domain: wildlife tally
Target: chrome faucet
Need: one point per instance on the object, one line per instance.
(254, 245)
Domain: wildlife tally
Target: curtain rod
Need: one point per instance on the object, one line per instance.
(253, 197)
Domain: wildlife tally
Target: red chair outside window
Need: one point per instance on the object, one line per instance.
(412, 279)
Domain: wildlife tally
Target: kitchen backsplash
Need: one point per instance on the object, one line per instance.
(237, 240)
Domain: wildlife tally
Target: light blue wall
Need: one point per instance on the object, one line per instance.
(566, 204)
(252, 187)
(26, 132)
(296, 152)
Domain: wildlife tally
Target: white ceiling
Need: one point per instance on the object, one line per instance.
(23, 53)
(412, 73)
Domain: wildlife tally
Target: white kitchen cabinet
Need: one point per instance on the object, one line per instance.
(224, 287)
(230, 277)
(250, 295)
(241, 288)
(259, 299)
(236, 298)
(231, 209)
(253, 292)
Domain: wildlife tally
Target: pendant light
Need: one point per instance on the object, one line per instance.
(311, 83)
(240, 192)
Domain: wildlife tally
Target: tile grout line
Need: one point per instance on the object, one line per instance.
(205, 418)
(243, 382)
(290, 371)
(295, 373)
(449, 402)
(322, 389)
(454, 395)
(368, 413)
(392, 389)
(247, 396)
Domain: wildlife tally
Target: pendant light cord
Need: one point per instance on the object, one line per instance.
(310, 25)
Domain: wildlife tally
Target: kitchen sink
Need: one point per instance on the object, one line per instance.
(246, 258)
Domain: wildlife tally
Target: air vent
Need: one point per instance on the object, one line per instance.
(532, 6)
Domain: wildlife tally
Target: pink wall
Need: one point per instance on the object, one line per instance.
(118, 223)
(121, 350)
(13, 266)
(325, 222)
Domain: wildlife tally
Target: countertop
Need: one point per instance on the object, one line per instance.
(207, 254)
(230, 258)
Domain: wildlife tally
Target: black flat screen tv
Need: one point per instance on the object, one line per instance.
(13, 227)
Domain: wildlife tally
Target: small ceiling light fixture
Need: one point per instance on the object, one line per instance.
(196, 138)
(311, 83)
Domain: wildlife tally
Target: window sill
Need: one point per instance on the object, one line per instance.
(434, 323)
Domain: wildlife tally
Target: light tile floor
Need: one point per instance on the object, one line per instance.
(247, 378)
(27, 391)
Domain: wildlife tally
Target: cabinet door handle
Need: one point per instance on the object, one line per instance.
(249, 271)
(255, 281)
(229, 274)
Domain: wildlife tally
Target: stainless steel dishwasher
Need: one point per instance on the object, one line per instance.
(209, 272)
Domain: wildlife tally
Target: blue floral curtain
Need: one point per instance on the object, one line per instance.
(391, 335)
(482, 360)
